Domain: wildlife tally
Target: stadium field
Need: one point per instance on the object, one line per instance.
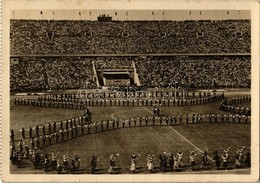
(133, 140)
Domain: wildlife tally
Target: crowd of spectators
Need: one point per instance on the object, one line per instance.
(51, 73)
(129, 37)
(114, 63)
(185, 72)
(28, 74)
(195, 72)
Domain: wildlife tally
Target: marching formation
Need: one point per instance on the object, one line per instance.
(164, 162)
(228, 105)
(122, 99)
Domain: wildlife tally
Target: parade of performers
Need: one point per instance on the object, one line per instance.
(34, 138)
(164, 162)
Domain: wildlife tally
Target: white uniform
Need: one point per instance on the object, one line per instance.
(150, 163)
(133, 164)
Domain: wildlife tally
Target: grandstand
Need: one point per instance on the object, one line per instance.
(65, 54)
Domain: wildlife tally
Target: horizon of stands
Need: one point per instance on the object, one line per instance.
(36, 37)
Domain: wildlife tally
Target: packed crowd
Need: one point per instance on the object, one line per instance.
(129, 37)
(50, 73)
(73, 72)
(114, 63)
(195, 72)
(28, 75)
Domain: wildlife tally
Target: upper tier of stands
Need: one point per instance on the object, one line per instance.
(36, 37)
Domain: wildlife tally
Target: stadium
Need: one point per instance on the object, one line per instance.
(113, 95)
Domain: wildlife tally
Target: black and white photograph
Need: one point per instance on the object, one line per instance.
(131, 92)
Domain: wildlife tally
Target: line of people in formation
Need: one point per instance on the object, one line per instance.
(123, 94)
(235, 109)
(80, 103)
(75, 127)
(237, 100)
(230, 105)
(198, 160)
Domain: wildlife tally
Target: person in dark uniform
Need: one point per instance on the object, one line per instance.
(76, 130)
(54, 126)
(204, 159)
(93, 163)
(153, 119)
(129, 122)
(57, 137)
(49, 138)
(107, 124)
(71, 125)
(210, 116)
(193, 159)
(96, 127)
(164, 162)
(37, 142)
(89, 128)
(102, 126)
(227, 118)
(37, 130)
(43, 140)
(222, 118)
(113, 124)
(43, 130)
(117, 123)
(30, 132)
(187, 118)
(134, 121)
(161, 120)
(61, 125)
(193, 118)
(171, 161)
(146, 120)
(72, 132)
(23, 133)
(49, 128)
(12, 135)
(248, 159)
(180, 118)
(246, 119)
(53, 161)
(239, 119)
(123, 123)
